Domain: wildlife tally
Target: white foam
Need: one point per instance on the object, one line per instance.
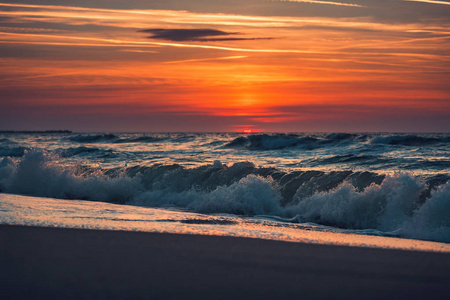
(252, 195)
(392, 206)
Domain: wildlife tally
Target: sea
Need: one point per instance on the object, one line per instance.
(383, 184)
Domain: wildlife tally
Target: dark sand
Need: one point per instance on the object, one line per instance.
(50, 263)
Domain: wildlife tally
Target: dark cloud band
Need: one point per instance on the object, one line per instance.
(195, 35)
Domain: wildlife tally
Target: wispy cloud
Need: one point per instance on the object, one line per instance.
(53, 39)
(233, 48)
(430, 1)
(56, 40)
(205, 59)
(142, 19)
(319, 2)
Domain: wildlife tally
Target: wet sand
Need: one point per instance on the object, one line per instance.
(55, 263)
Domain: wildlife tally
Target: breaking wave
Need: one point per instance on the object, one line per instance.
(400, 205)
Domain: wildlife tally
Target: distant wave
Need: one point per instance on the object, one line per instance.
(400, 204)
(93, 138)
(112, 138)
(409, 140)
(344, 136)
(373, 159)
(39, 132)
(115, 139)
(141, 139)
(281, 141)
(264, 142)
(272, 142)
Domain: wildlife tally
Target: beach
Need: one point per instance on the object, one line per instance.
(59, 263)
(224, 216)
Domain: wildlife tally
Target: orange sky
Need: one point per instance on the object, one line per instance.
(225, 65)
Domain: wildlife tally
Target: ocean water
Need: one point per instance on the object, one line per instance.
(376, 184)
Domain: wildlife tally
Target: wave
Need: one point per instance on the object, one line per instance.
(95, 138)
(345, 136)
(410, 140)
(280, 141)
(391, 207)
(5, 140)
(82, 151)
(272, 142)
(400, 205)
(36, 174)
(12, 151)
(141, 139)
(263, 142)
(112, 138)
(352, 158)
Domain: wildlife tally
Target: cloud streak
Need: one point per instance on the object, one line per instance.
(142, 19)
(205, 59)
(15, 38)
(429, 1)
(319, 2)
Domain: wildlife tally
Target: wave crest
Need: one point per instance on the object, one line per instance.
(252, 195)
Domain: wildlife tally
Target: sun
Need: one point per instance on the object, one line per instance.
(247, 128)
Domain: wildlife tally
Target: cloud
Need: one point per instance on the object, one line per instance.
(195, 35)
(430, 1)
(320, 2)
(55, 40)
(205, 59)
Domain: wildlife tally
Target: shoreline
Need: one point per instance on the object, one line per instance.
(94, 215)
(52, 263)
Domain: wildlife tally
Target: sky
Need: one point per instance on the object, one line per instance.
(225, 65)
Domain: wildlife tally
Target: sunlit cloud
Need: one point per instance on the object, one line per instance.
(138, 51)
(232, 48)
(19, 38)
(319, 2)
(430, 1)
(140, 19)
(205, 59)
(122, 43)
